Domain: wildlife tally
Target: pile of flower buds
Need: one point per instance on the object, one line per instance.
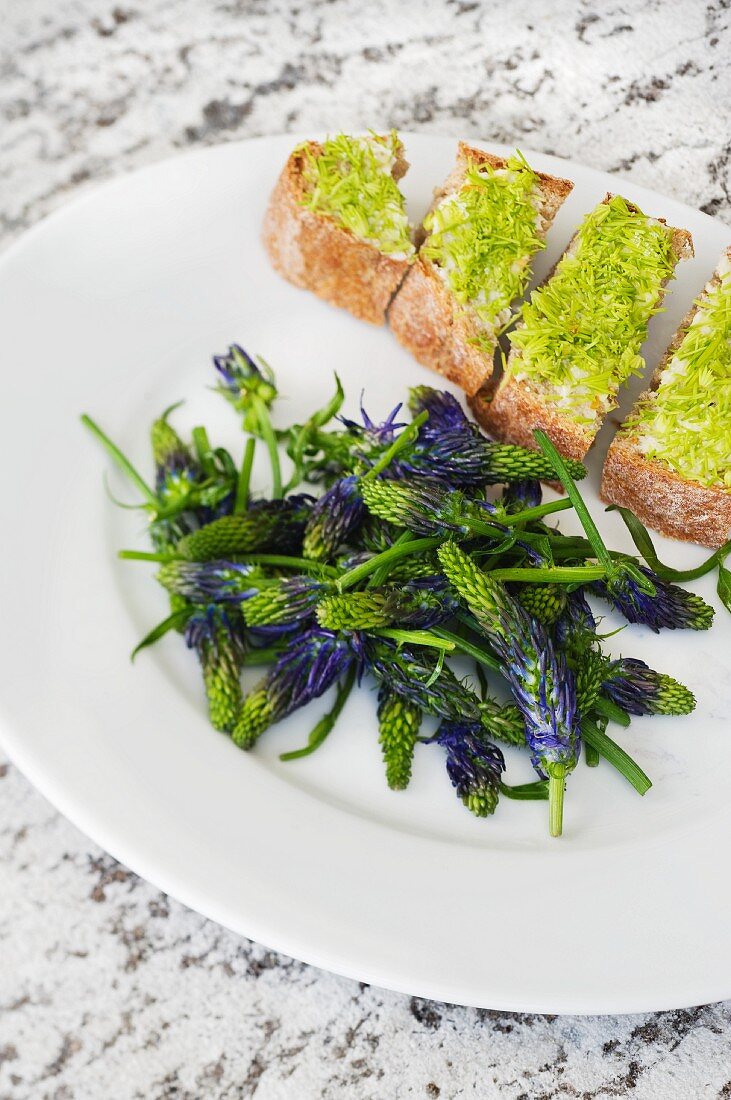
(407, 557)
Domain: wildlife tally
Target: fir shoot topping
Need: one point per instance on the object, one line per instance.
(482, 237)
(580, 334)
(351, 180)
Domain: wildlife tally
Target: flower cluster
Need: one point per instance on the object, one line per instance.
(404, 563)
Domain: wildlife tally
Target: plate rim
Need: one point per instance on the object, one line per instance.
(62, 799)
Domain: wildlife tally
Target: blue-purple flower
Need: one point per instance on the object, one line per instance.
(638, 689)
(334, 519)
(211, 581)
(474, 765)
(519, 495)
(670, 607)
(216, 634)
(245, 384)
(450, 447)
(310, 665)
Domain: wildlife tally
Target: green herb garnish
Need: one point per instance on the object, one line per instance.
(350, 179)
(482, 237)
(685, 424)
(402, 565)
(580, 334)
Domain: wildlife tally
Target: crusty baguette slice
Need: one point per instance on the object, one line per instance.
(313, 251)
(658, 495)
(514, 409)
(425, 317)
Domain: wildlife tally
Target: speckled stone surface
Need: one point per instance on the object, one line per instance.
(108, 989)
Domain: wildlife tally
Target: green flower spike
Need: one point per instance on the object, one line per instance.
(398, 723)
(544, 602)
(218, 640)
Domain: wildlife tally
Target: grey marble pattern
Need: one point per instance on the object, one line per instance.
(108, 988)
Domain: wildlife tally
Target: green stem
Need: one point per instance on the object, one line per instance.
(326, 723)
(616, 756)
(468, 648)
(581, 574)
(608, 709)
(407, 436)
(394, 553)
(315, 422)
(556, 787)
(381, 574)
(574, 546)
(202, 445)
(147, 555)
(264, 422)
(416, 637)
(600, 551)
(178, 618)
(592, 756)
(244, 480)
(529, 514)
(642, 540)
(302, 565)
(526, 792)
(122, 461)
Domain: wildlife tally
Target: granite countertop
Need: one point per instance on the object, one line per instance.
(107, 987)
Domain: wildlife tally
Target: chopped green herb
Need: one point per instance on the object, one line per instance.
(350, 179)
(581, 332)
(482, 237)
(686, 422)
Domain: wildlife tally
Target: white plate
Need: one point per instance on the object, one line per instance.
(114, 306)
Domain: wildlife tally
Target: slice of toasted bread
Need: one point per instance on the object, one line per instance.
(313, 251)
(513, 409)
(658, 495)
(427, 319)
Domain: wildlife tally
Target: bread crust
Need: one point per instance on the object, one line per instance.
(314, 252)
(514, 410)
(520, 411)
(661, 498)
(426, 318)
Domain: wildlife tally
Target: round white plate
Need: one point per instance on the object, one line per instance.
(114, 306)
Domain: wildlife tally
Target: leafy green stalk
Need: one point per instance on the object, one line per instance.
(121, 459)
(386, 557)
(326, 724)
(266, 430)
(309, 430)
(615, 755)
(244, 480)
(580, 574)
(527, 792)
(556, 789)
(601, 553)
(408, 435)
(172, 622)
(642, 540)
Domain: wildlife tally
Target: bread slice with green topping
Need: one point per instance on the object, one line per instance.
(579, 336)
(670, 462)
(487, 221)
(336, 223)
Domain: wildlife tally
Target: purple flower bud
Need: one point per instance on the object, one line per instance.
(670, 608)
(334, 518)
(474, 765)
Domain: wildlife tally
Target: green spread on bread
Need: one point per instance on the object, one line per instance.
(685, 423)
(581, 332)
(481, 237)
(350, 179)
